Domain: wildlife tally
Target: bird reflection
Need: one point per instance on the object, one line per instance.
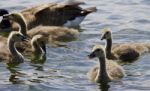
(38, 61)
(104, 86)
(14, 74)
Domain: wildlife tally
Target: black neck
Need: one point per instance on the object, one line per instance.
(103, 75)
(15, 54)
(108, 46)
(36, 48)
(23, 27)
(12, 48)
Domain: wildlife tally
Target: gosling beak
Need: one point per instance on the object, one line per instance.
(103, 37)
(6, 17)
(92, 55)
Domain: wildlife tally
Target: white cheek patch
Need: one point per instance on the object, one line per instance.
(1, 18)
(75, 22)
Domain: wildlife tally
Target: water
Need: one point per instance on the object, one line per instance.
(65, 68)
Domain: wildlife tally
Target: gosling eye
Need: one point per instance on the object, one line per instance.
(18, 35)
(107, 32)
(12, 15)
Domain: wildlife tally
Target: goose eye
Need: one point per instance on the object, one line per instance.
(107, 32)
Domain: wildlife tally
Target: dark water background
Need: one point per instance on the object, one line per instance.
(65, 68)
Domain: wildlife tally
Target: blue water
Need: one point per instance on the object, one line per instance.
(66, 67)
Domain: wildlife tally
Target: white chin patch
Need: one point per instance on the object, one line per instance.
(1, 18)
(75, 22)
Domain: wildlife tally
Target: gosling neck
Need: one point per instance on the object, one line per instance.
(103, 75)
(23, 27)
(108, 47)
(15, 54)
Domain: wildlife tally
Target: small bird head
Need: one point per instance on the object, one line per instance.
(14, 17)
(97, 51)
(18, 37)
(106, 34)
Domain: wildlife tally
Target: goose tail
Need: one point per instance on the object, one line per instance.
(89, 10)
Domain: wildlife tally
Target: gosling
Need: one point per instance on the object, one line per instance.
(34, 49)
(106, 70)
(38, 49)
(10, 54)
(36, 46)
(127, 52)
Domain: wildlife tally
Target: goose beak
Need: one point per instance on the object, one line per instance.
(92, 55)
(6, 17)
(103, 37)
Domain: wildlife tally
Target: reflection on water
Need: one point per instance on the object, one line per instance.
(14, 74)
(65, 68)
(104, 87)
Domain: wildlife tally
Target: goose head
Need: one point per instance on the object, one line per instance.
(106, 34)
(17, 37)
(40, 40)
(97, 51)
(17, 17)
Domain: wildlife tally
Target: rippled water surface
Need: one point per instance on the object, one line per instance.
(65, 68)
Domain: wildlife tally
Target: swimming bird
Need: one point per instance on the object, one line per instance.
(38, 44)
(52, 14)
(9, 52)
(126, 52)
(53, 32)
(106, 70)
(36, 48)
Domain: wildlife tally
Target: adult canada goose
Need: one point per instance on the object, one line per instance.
(69, 14)
(56, 33)
(10, 53)
(106, 70)
(127, 52)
